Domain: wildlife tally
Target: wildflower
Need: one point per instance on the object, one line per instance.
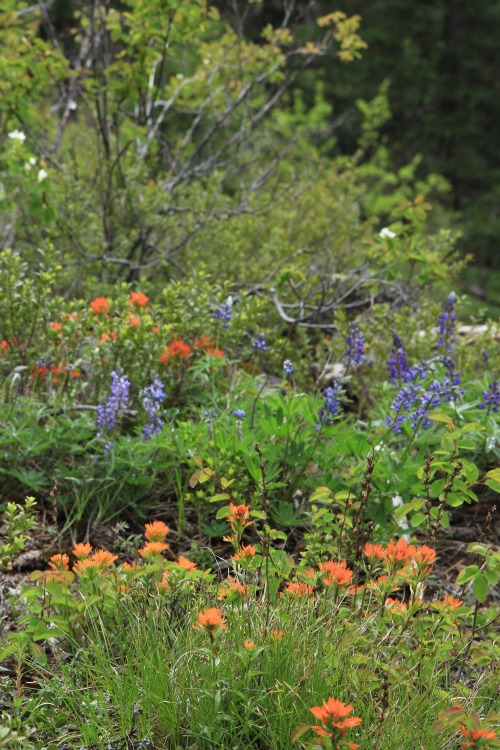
(4, 345)
(59, 562)
(288, 368)
(55, 326)
(249, 644)
(17, 135)
(244, 554)
(156, 531)
(477, 736)
(110, 413)
(334, 716)
(337, 573)
(209, 415)
(424, 557)
(184, 563)
(100, 560)
(211, 619)
(447, 323)
(374, 552)
(139, 299)
(387, 233)
(100, 305)
(231, 586)
(134, 321)
(398, 554)
(491, 398)
(152, 397)
(239, 413)
(81, 551)
(42, 175)
(177, 350)
(107, 336)
(355, 347)
(208, 346)
(238, 514)
(330, 409)
(155, 329)
(397, 364)
(260, 343)
(276, 635)
(151, 549)
(298, 589)
(224, 312)
(448, 604)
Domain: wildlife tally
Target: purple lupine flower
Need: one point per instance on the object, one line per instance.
(355, 346)
(110, 413)
(447, 322)
(239, 414)
(260, 343)
(152, 398)
(331, 406)
(415, 400)
(209, 415)
(224, 312)
(288, 368)
(491, 398)
(397, 364)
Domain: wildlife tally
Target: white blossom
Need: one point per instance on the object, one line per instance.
(17, 135)
(387, 233)
(42, 175)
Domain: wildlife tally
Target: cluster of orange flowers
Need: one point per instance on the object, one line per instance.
(400, 554)
(180, 350)
(474, 738)
(335, 721)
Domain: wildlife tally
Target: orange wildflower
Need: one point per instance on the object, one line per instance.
(106, 336)
(156, 531)
(101, 559)
(424, 557)
(139, 299)
(398, 554)
(211, 619)
(337, 573)
(55, 326)
(231, 586)
(178, 349)
(245, 553)
(59, 562)
(133, 320)
(374, 552)
(476, 734)
(4, 345)
(238, 514)
(81, 551)
(334, 715)
(448, 603)
(249, 644)
(396, 607)
(155, 329)
(183, 562)
(276, 634)
(152, 548)
(299, 589)
(100, 305)
(208, 346)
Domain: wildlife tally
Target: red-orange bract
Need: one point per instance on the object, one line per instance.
(477, 735)
(210, 619)
(334, 715)
(156, 531)
(139, 299)
(176, 350)
(100, 305)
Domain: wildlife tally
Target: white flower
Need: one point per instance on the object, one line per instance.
(42, 175)
(17, 135)
(32, 161)
(387, 233)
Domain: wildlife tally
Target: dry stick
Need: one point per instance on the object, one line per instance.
(442, 503)
(427, 485)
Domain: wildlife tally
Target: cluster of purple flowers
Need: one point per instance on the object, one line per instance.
(398, 365)
(355, 347)
(110, 413)
(288, 368)
(209, 415)
(224, 313)
(331, 406)
(446, 324)
(239, 414)
(260, 343)
(491, 398)
(416, 400)
(152, 398)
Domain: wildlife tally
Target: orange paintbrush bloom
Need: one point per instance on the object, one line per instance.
(448, 604)
(59, 562)
(299, 589)
(139, 299)
(334, 715)
(81, 551)
(184, 563)
(245, 553)
(374, 552)
(156, 531)
(151, 549)
(477, 736)
(210, 619)
(100, 305)
(337, 573)
(238, 514)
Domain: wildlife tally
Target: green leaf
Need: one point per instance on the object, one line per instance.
(480, 587)
(417, 519)
(258, 514)
(321, 495)
(467, 573)
(223, 512)
(440, 416)
(219, 496)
